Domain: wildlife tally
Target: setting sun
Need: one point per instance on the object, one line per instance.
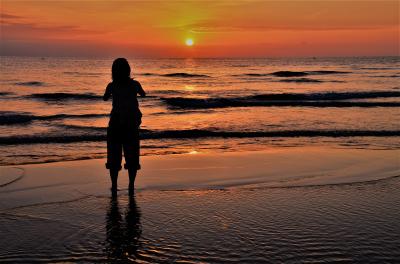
(189, 42)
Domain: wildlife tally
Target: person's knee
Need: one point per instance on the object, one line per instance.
(112, 166)
(132, 165)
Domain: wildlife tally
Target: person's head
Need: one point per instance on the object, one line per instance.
(120, 70)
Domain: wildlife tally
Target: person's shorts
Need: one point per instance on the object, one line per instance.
(122, 139)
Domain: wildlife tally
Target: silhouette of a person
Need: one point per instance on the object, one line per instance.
(122, 238)
(125, 119)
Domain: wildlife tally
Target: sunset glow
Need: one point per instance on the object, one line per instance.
(224, 28)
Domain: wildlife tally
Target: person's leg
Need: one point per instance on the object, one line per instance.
(114, 179)
(131, 153)
(131, 159)
(132, 176)
(113, 164)
(114, 156)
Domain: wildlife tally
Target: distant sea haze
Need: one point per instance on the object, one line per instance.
(54, 104)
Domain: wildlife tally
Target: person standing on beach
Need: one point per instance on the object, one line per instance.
(125, 119)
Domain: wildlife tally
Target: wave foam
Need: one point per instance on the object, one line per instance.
(65, 96)
(185, 75)
(11, 118)
(32, 83)
(332, 99)
(196, 134)
(301, 80)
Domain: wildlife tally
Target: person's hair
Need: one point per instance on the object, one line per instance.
(120, 70)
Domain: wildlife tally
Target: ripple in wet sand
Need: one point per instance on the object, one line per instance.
(355, 223)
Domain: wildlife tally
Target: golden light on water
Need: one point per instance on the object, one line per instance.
(189, 42)
(190, 87)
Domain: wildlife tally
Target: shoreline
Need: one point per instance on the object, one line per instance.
(248, 207)
(272, 168)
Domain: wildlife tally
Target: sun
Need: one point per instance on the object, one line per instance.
(189, 42)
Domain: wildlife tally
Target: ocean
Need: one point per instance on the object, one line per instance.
(52, 108)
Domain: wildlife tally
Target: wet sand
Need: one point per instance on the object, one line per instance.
(313, 205)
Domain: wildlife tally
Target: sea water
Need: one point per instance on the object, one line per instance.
(52, 108)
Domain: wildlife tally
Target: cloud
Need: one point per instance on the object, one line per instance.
(295, 15)
(17, 27)
(8, 16)
(210, 26)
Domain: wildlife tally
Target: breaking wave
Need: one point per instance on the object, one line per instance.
(328, 95)
(378, 68)
(324, 72)
(64, 96)
(292, 73)
(385, 76)
(10, 118)
(276, 74)
(289, 74)
(75, 73)
(301, 80)
(32, 83)
(253, 74)
(332, 99)
(176, 75)
(197, 134)
(185, 75)
(147, 74)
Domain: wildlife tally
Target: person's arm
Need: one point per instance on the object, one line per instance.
(140, 90)
(107, 93)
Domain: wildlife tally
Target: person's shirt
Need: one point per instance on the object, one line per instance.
(125, 106)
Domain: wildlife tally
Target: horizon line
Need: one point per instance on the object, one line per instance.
(217, 57)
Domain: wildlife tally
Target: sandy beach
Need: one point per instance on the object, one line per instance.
(289, 205)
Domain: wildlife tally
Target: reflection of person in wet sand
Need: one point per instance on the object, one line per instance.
(125, 119)
(122, 241)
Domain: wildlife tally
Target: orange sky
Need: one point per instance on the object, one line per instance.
(218, 28)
